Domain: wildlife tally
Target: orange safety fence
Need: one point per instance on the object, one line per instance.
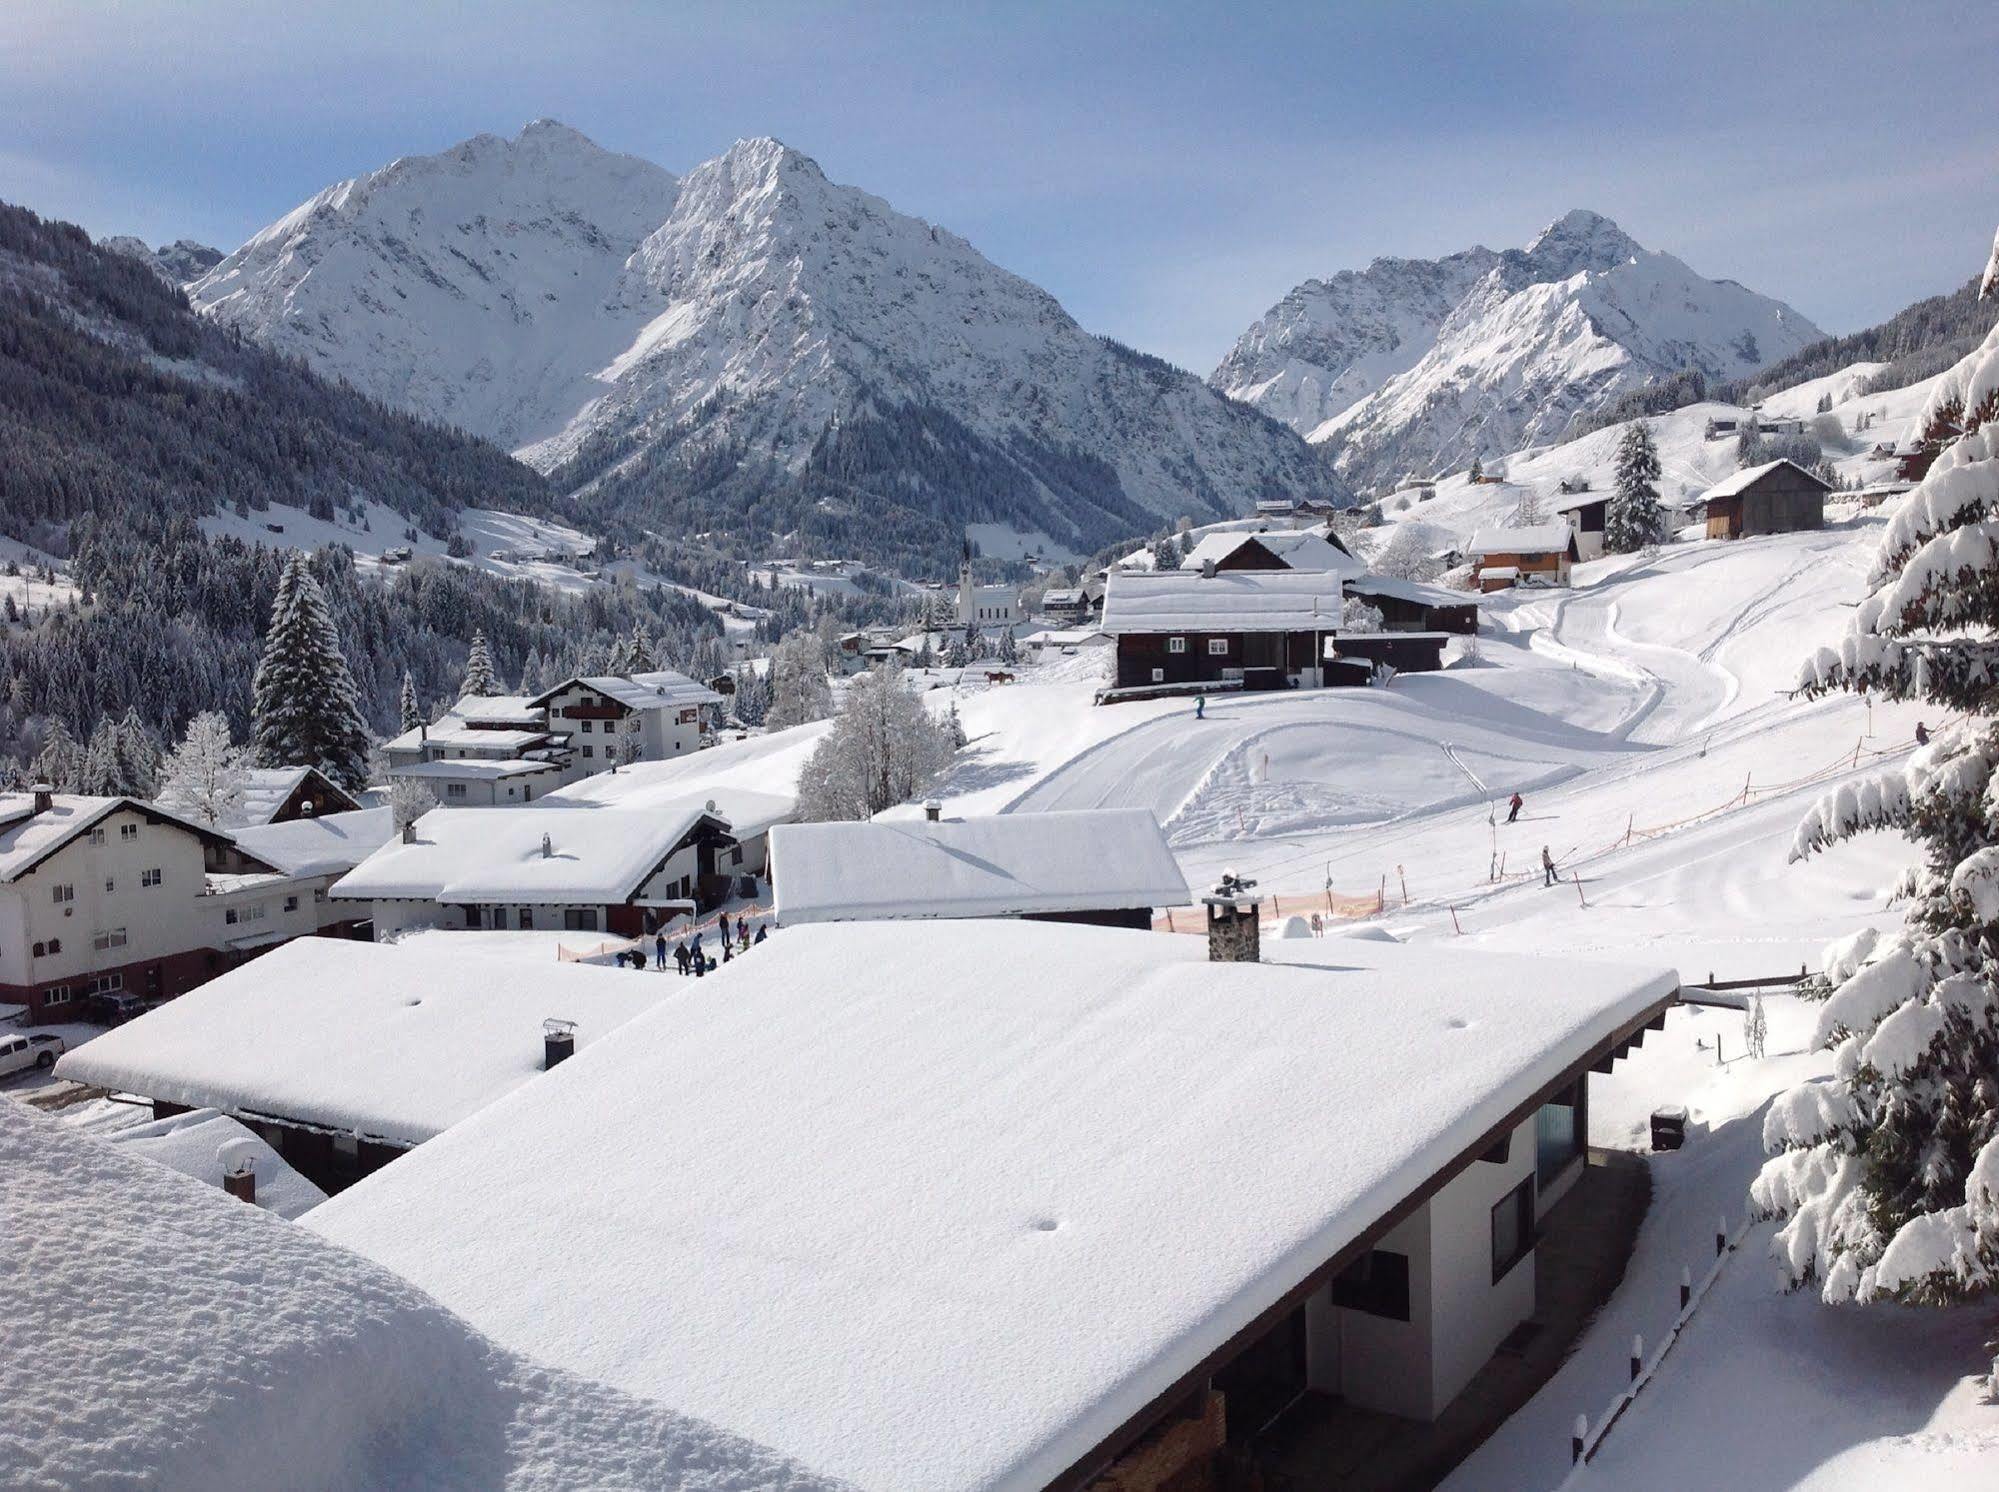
(1276, 908)
(680, 925)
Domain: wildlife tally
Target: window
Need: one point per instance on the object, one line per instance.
(291, 903)
(587, 727)
(736, 855)
(110, 884)
(41, 949)
(1512, 1229)
(1218, 647)
(318, 895)
(588, 749)
(229, 916)
(1558, 1138)
(579, 919)
(97, 835)
(1158, 675)
(106, 984)
(128, 832)
(527, 919)
(56, 994)
(1176, 644)
(55, 945)
(105, 941)
(149, 877)
(1377, 1283)
(64, 894)
(454, 789)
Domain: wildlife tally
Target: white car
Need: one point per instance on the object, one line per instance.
(36, 1049)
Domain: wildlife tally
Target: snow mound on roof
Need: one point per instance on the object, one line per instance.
(162, 1334)
(194, 1144)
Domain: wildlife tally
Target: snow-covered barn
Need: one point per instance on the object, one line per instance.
(577, 868)
(342, 1055)
(1255, 629)
(1106, 866)
(1412, 606)
(986, 1205)
(1778, 497)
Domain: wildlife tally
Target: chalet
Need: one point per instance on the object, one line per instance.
(1106, 866)
(1247, 629)
(610, 720)
(304, 858)
(1070, 604)
(1914, 464)
(487, 749)
(1585, 513)
(278, 795)
(1537, 555)
(1195, 1195)
(1874, 494)
(1778, 497)
(103, 897)
(1280, 549)
(580, 869)
(1411, 606)
(342, 1056)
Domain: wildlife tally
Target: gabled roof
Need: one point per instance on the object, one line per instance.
(665, 689)
(1041, 1170)
(1003, 865)
(1749, 476)
(1568, 503)
(593, 856)
(1539, 538)
(320, 845)
(1410, 590)
(1227, 601)
(27, 838)
(368, 1039)
(265, 790)
(474, 768)
(1299, 548)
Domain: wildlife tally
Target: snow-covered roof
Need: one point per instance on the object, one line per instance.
(319, 846)
(27, 837)
(665, 689)
(935, 1206)
(1538, 538)
(162, 1334)
(1300, 548)
(1065, 597)
(190, 1144)
(534, 855)
(1570, 502)
(388, 1043)
(1730, 486)
(1002, 865)
(1414, 591)
(1227, 601)
(474, 768)
(448, 732)
(520, 709)
(265, 790)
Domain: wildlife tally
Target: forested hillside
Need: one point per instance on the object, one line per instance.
(116, 400)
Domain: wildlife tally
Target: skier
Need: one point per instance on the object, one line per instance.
(742, 933)
(1922, 734)
(1200, 707)
(659, 951)
(1513, 807)
(681, 957)
(700, 958)
(1547, 868)
(1318, 926)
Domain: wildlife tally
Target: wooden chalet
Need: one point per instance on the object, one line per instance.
(1537, 555)
(1778, 497)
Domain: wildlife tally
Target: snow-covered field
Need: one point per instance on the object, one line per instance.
(508, 544)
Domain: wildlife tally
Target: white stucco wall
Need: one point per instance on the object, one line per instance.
(1382, 1364)
(1472, 1315)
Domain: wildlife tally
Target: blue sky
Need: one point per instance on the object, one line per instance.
(1166, 170)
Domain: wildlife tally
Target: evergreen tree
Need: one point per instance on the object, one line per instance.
(409, 715)
(1633, 517)
(799, 691)
(480, 677)
(1477, 472)
(138, 755)
(750, 704)
(202, 778)
(103, 771)
(60, 761)
(1166, 552)
(1888, 1175)
(1009, 648)
(303, 700)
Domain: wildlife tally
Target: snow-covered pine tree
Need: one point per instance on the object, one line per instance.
(1632, 516)
(409, 714)
(1009, 648)
(884, 749)
(102, 773)
(202, 778)
(957, 654)
(799, 691)
(303, 704)
(1477, 472)
(60, 761)
(479, 675)
(750, 702)
(1360, 616)
(1887, 1174)
(409, 800)
(1166, 552)
(138, 754)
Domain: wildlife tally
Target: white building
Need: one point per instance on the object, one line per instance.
(1021, 1193)
(577, 869)
(610, 720)
(1108, 866)
(985, 607)
(304, 857)
(274, 795)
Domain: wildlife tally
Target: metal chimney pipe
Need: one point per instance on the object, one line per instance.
(558, 1042)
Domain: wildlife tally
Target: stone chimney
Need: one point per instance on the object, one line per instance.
(44, 796)
(241, 1185)
(933, 810)
(1235, 935)
(409, 831)
(1207, 569)
(558, 1042)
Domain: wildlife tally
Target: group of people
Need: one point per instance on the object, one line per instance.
(690, 956)
(1550, 876)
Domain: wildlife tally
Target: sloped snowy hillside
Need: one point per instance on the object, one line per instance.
(754, 334)
(1370, 368)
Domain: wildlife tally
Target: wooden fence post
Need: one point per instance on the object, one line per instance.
(1577, 878)
(1401, 876)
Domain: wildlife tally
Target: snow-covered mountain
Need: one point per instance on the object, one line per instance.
(753, 342)
(1429, 363)
(178, 263)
